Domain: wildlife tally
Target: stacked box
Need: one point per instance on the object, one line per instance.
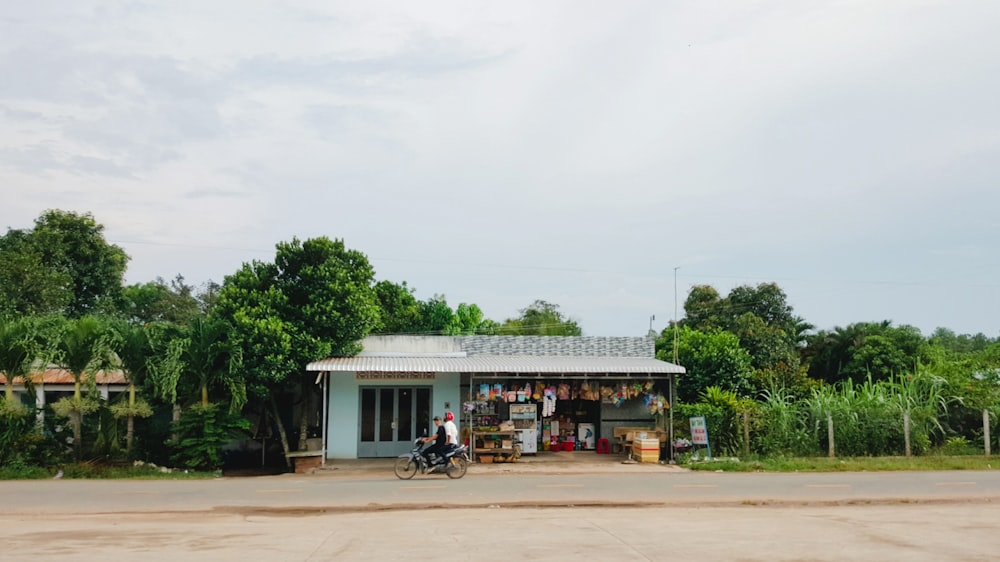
(646, 450)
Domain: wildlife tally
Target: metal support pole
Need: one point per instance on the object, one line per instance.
(675, 315)
(670, 430)
(326, 396)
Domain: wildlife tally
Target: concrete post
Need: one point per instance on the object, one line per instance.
(986, 431)
(832, 452)
(906, 430)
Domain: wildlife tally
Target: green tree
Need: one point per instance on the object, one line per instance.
(959, 343)
(437, 317)
(132, 345)
(541, 318)
(208, 295)
(769, 346)
(19, 351)
(157, 301)
(401, 313)
(199, 362)
(703, 309)
(317, 299)
(213, 360)
(710, 358)
(28, 287)
(865, 349)
(470, 319)
(765, 301)
(82, 350)
(759, 316)
(399, 309)
(74, 244)
(828, 352)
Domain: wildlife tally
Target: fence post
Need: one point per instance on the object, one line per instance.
(986, 431)
(829, 435)
(746, 434)
(906, 430)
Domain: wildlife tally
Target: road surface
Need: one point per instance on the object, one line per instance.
(913, 516)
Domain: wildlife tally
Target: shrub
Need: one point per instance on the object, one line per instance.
(202, 431)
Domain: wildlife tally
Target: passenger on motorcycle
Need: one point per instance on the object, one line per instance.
(440, 440)
(450, 429)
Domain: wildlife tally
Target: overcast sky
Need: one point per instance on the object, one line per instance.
(502, 152)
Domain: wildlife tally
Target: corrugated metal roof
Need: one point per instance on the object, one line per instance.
(62, 376)
(561, 346)
(496, 364)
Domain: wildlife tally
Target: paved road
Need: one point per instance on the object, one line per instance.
(366, 491)
(910, 532)
(913, 516)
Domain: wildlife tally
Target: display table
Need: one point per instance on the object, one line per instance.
(496, 444)
(626, 436)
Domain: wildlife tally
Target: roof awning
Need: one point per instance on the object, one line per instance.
(513, 364)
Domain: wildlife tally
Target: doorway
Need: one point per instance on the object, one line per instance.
(391, 418)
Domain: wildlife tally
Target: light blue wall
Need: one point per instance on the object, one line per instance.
(342, 433)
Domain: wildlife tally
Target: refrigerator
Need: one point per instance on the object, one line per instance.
(525, 418)
(585, 434)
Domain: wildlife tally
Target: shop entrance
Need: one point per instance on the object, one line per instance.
(391, 418)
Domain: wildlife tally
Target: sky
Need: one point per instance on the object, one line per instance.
(601, 156)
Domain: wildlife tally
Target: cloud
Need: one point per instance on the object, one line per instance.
(565, 150)
(41, 159)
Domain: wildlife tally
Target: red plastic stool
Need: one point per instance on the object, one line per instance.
(603, 447)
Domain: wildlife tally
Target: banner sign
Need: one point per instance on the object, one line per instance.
(699, 431)
(403, 376)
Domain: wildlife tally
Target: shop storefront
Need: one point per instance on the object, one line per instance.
(512, 395)
(510, 415)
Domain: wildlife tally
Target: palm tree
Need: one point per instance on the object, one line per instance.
(134, 350)
(18, 352)
(210, 358)
(82, 350)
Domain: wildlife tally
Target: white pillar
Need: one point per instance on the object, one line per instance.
(40, 405)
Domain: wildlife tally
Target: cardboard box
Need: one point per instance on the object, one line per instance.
(646, 444)
(646, 450)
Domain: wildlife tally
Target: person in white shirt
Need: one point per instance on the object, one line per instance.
(450, 429)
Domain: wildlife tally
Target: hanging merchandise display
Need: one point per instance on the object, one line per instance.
(562, 391)
(656, 404)
(549, 403)
(521, 416)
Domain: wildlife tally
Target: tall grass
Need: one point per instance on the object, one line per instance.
(782, 426)
(867, 418)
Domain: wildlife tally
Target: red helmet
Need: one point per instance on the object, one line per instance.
(448, 416)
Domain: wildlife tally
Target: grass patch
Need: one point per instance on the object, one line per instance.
(100, 472)
(856, 464)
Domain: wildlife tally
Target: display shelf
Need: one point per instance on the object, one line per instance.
(514, 448)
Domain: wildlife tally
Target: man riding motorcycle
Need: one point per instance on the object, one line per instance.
(440, 445)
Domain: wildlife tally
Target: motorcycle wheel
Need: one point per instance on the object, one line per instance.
(457, 468)
(405, 468)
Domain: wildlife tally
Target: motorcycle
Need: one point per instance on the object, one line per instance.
(454, 463)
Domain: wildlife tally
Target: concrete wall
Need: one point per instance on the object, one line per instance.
(342, 432)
